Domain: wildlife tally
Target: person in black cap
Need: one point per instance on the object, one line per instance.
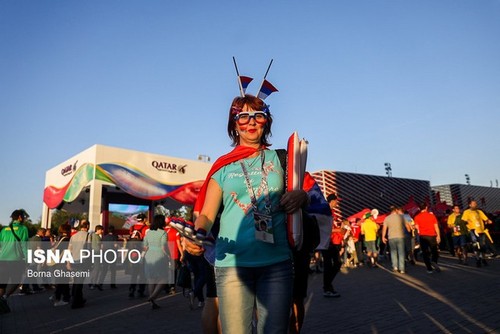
(331, 256)
(140, 227)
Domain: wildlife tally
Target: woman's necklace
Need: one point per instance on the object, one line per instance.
(252, 161)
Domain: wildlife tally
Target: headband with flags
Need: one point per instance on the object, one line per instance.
(265, 89)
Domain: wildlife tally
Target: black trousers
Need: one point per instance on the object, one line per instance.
(331, 265)
(429, 247)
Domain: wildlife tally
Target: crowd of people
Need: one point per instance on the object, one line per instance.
(402, 240)
(397, 242)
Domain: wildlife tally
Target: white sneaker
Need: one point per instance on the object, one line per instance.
(333, 294)
(60, 303)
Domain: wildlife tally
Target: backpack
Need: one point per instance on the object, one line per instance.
(138, 230)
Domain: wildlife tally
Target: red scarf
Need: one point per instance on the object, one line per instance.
(238, 153)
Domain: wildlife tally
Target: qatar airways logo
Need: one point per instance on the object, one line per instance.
(69, 169)
(168, 167)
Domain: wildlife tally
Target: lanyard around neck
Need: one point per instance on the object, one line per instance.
(250, 190)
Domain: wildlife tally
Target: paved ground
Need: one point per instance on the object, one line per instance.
(460, 299)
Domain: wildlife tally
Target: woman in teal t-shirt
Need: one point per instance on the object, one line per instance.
(253, 265)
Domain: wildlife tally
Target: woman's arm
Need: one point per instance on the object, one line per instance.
(210, 208)
(207, 215)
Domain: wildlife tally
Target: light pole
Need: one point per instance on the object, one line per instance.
(388, 169)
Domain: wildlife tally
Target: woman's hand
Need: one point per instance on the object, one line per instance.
(293, 200)
(192, 248)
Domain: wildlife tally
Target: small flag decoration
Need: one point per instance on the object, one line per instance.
(266, 89)
(244, 81)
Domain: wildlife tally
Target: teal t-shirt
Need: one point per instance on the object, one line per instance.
(236, 243)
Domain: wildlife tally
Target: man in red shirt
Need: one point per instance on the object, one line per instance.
(428, 230)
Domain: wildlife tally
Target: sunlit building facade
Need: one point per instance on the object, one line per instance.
(488, 198)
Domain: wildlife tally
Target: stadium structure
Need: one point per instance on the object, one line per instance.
(359, 191)
(488, 198)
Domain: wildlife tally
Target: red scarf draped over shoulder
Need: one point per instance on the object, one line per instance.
(238, 153)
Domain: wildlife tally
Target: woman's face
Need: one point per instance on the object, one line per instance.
(250, 126)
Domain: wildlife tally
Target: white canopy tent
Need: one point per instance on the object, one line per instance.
(89, 181)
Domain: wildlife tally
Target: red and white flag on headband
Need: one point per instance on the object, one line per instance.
(244, 82)
(266, 89)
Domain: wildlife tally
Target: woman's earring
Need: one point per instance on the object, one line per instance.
(237, 133)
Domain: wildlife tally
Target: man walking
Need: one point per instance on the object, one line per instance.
(369, 230)
(97, 266)
(430, 237)
(331, 256)
(395, 225)
(109, 242)
(13, 240)
(459, 233)
(79, 241)
(475, 219)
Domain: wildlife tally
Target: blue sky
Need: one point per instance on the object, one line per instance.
(413, 83)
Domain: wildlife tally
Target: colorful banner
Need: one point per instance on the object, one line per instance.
(128, 179)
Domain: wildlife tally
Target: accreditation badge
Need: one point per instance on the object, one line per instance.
(263, 227)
